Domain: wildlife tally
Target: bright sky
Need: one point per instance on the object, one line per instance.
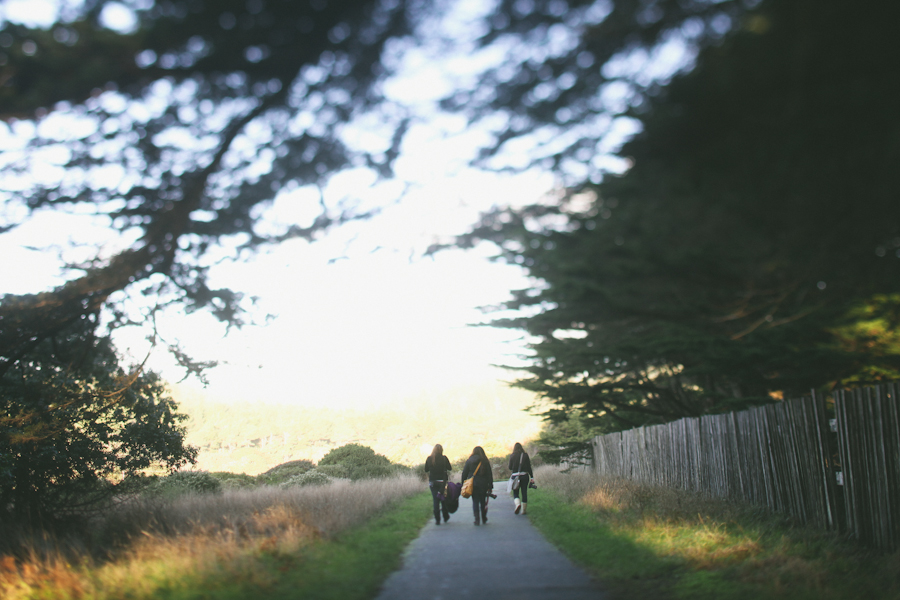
(360, 317)
(377, 326)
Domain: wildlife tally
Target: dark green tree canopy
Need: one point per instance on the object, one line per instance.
(748, 250)
(72, 422)
(573, 69)
(751, 251)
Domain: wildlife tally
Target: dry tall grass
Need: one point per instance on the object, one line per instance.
(146, 544)
(655, 503)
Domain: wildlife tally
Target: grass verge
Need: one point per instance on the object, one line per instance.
(355, 564)
(280, 549)
(351, 566)
(645, 542)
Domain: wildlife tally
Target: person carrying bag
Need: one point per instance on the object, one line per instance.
(438, 466)
(478, 481)
(521, 478)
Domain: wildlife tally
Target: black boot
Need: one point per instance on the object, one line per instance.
(446, 517)
(437, 519)
(484, 516)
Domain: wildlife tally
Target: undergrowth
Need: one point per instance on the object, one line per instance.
(652, 542)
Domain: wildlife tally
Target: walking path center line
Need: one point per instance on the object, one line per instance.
(505, 559)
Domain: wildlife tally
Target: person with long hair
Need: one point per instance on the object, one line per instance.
(438, 468)
(479, 467)
(520, 467)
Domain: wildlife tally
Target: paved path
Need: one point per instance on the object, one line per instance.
(506, 559)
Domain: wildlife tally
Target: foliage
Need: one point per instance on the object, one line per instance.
(234, 481)
(646, 541)
(184, 482)
(205, 113)
(573, 70)
(313, 477)
(71, 420)
(751, 250)
(285, 471)
(357, 462)
(568, 438)
(179, 133)
(335, 471)
(208, 110)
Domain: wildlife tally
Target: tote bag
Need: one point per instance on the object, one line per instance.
(469, 484)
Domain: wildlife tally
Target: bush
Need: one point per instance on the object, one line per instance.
(360, 462)
(184, 482)
(285, 471)
(311, 477)
(338, 471)
(404, 470)
(234, 481)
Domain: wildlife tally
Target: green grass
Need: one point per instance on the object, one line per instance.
(355, 564)
(624, 567)
(671, 545)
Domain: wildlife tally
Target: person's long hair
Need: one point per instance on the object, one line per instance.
(482, 457)
(437, 453)
(517, 453)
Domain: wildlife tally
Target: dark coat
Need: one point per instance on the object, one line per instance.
(525, 467)
(484, 479)
(438, 473)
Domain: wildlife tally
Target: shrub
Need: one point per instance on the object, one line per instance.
(184, 482)
(234, 481)
(285, 471)
(338, 471)
(311, 477)
(398, 469)
(360, 462)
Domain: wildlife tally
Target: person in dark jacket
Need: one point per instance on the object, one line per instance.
(483, 483)
(520, 466)
(438, 468)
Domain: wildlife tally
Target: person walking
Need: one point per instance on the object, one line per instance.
(520, 466)
(438, 467)
(479, 467)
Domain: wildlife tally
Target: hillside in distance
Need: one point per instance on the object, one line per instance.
(252, 437)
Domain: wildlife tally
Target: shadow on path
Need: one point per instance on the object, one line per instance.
(505, 559)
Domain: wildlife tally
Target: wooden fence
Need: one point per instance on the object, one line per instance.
(837, 473)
